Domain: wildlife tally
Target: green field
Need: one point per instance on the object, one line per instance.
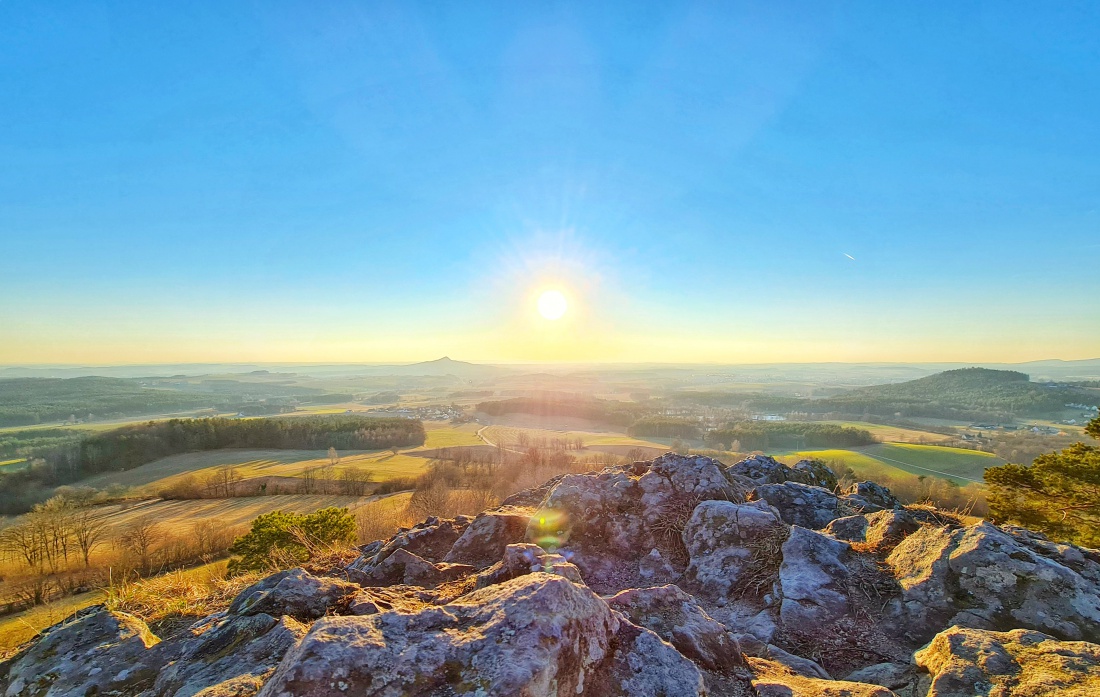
(955, 463)
(900, 459)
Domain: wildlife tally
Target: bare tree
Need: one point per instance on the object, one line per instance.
(89, 531)
(333, 457)
(141, 538)
(354, 481)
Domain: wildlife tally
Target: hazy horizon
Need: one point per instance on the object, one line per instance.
(689, 183)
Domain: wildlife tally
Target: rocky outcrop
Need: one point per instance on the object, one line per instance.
(991, 578)
(868, 497)
(723, 538)
(807, 506)
(677, 618)
(677, 577)
(235, 653)
(483, 542)
(97, 652)
(1020, 663)
(296, 593)
(814, 579)
(534, 635)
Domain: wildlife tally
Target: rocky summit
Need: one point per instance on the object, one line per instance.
(678, 577)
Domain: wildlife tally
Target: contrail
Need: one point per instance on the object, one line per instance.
(849, 256)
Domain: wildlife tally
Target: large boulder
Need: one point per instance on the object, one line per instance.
(882, 530)
(814, 580)
(991, 578)
(295, 592)
(237, 652)
(761, 469)
(431, 539)
(724, 539)
(98, 652)
(643, 665)
(404, 567)
(526, 559)
(677, 618)
(815, 473)
(483, 542)
(867, 497)
(801, 504)
(1021, 663)
(673, 480)
(534, 635)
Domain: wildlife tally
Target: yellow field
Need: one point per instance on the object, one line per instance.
(894, 434)
(178, 516)
(383, 464)
(509, 436)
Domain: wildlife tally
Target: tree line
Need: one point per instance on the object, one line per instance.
(66, 461)
(554, 404)
(131, 446)
(762, 435)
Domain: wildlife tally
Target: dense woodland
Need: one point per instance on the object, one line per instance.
(762, 435)
(554, 404)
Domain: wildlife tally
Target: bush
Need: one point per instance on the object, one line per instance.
(283, 538)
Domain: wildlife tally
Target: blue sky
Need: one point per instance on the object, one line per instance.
(705, 182)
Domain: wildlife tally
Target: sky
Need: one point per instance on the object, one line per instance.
(702, 182)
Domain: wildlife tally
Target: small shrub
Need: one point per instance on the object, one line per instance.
(283, 538)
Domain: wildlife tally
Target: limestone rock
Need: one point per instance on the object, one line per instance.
(527, 558)
(813, 578)
(991, 578)
(96, 652)
(761, 469)
(1020, 663)
(673, 479)
(534, 635)
(482, 543)
(774, 680)
(404, 567)
(295, 592)
(431, 539)
(678, 619)
(238, 653)
(882, 529)
(867, 497)
(896, 676)
(801, 504)
(642, 665)
(719, 540)
(815, 473)
(851, 528)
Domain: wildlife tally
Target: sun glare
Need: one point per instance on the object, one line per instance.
(552, 304)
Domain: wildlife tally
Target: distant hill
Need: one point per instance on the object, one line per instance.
(962, 393)
(446, 366)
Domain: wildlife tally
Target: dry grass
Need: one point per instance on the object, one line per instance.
(760, 572)
(177, 599)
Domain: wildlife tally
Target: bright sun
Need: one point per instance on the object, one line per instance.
(552, 304)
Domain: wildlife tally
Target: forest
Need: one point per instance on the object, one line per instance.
(557, 404)
(762, 435)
